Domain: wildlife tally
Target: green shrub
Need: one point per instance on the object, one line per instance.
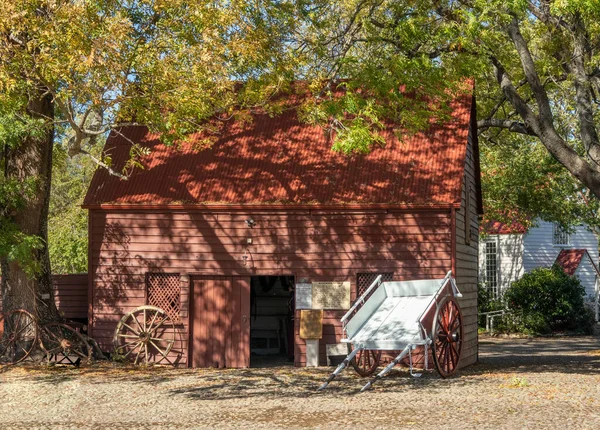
(549, 301)
(486, 302)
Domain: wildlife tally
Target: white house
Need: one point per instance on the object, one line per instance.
(508, 251)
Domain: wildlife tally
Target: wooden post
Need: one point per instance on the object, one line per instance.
(312, 352)
(311, 330)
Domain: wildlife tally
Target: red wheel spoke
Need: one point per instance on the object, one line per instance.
(22, 329)
(447, 331)
(54, 350)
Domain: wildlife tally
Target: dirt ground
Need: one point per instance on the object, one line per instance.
(518, 383)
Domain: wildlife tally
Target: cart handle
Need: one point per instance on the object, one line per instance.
(361, 299)
(447, 278)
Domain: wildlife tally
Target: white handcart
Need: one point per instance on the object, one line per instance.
(401, 316)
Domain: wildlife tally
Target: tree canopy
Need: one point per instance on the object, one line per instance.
(172, 64)
(536, 68)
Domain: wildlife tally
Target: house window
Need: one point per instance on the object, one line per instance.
(491, 267)
(364, 280)
(163, 290)
(560, 236)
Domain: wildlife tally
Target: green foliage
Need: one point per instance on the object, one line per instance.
(15, 126)
(549, 301)
(486, 302)
(521, 182)
(20, 247)
(409, 57)
(518, 382)
(67, 221)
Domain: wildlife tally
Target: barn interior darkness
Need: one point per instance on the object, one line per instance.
(271, 320)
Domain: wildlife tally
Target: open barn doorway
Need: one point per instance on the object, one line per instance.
(271, 320)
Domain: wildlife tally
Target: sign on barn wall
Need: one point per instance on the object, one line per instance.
(331, 295)
(323, 295)
(303, 296)
(311, 324)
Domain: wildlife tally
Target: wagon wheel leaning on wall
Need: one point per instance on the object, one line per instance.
(18, 336)
(64, 345)
(366, 362)
(145, 335)
(447, 337)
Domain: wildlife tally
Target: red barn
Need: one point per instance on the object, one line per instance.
(227, 232)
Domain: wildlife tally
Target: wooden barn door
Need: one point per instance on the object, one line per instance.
(220, 321)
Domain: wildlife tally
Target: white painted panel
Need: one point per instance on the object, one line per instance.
(426, 287)
(540, 252)
(587, 276)
(518, 254)
(510, 255)
(366, 310)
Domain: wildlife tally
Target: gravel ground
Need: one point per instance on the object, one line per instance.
(519, 383)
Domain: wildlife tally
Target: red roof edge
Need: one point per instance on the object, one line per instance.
(143, 206)
(570, 260)
(497, 227)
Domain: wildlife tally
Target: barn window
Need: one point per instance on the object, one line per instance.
(559, 235)
(364, 280)
(491, 267)
(164, 291)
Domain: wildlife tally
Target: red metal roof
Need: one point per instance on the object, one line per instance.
(570, 259)
(278, 160)
(497, 227)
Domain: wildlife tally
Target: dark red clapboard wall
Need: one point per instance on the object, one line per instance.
(125, 245)
(70, 295)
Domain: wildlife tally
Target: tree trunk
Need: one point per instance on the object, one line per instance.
(32, 159)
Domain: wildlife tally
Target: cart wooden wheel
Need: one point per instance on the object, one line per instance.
(447, 337)
(366, 362)
(145, 335)
(18, 336)
(63, 345)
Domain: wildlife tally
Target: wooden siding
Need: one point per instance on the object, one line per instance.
(70, 295)
(540, 252)
(467, 244)
(521, 253)
(318, 246)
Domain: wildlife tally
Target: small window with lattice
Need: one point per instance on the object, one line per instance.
(364, 281)
(164, 291)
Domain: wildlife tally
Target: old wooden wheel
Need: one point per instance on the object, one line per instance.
(145, 335)
(366, 361)
(63, 345)
(447, 337)
(18, 336)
